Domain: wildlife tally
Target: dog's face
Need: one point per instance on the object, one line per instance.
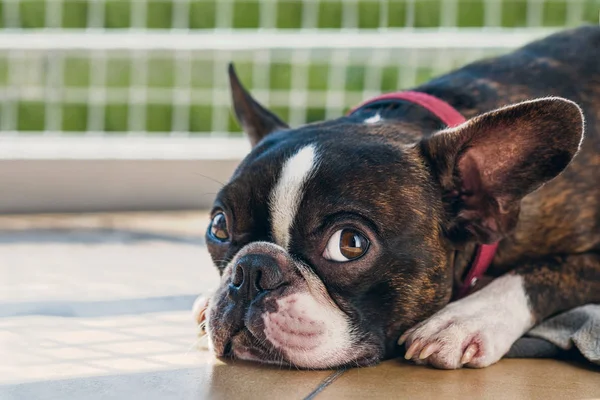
(319, 253)
(334, 238)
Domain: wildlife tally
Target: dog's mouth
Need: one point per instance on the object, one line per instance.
(228, 349)
(244, 346)
(290, 329)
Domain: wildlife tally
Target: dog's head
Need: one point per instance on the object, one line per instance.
(334, 238)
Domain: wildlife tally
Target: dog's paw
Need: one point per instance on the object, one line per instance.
(473, 332)
(450, 340)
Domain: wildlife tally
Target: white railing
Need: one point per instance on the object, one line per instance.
(125, 105)
(252, 40)
(158, 67)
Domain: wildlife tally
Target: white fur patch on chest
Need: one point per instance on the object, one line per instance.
(288, 192)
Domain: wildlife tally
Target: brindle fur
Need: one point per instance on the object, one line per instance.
(557, 239)
(552, 236)
(563, 217)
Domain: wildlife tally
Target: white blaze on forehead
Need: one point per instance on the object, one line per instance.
(288, 192)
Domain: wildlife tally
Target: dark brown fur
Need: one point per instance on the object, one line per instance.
(430, 199)
(563, 217)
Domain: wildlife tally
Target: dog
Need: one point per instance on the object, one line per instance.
(440, 223)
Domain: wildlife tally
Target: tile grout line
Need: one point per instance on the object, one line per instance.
(326, 382)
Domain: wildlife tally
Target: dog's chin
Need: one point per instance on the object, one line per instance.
(300, 332)
(245, 347)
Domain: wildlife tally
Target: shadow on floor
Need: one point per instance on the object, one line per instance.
(188, 383)
(212, 380)
(94, 309)
(91, 236)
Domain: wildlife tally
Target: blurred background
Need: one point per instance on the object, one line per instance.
(134, 93)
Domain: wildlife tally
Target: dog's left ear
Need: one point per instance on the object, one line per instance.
(488, 164)
(256, 120)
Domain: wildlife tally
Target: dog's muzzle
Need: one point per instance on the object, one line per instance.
(272, 309)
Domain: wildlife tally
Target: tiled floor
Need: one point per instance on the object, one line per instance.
(95, 307)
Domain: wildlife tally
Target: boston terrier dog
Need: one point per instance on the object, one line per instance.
(440, 223)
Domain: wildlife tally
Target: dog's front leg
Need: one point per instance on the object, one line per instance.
(475, 331)
(478, 330)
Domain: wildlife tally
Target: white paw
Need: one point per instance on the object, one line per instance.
(450, 340)
(475, 331)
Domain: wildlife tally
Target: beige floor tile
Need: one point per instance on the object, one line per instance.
(160, 331)
(210, 379)
(87, 336)
(139, 347)
(114, 323)
(189, 358)
(95, 266)
(64, 353)
(509, 379)
(239, 380)
(22, 359)
(178, 318)
(51, 371)
(127, 364)
(184, 222)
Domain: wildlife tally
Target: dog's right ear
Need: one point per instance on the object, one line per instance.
(256, 120)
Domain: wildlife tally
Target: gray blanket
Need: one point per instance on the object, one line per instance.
(577, 329)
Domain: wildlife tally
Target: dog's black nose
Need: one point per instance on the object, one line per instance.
(255, 273)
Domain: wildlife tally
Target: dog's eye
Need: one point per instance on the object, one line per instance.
(218, 227)
(346, 245)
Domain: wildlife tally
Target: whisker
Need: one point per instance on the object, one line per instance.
(194, 346)
(202, 335)
(212, 179)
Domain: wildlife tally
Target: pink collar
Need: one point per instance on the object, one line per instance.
(484, 253)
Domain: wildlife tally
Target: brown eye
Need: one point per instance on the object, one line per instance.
(346, 245)
(218, 228)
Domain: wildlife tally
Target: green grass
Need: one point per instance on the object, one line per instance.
(289, 13)
(160, 75)
(162, 71)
